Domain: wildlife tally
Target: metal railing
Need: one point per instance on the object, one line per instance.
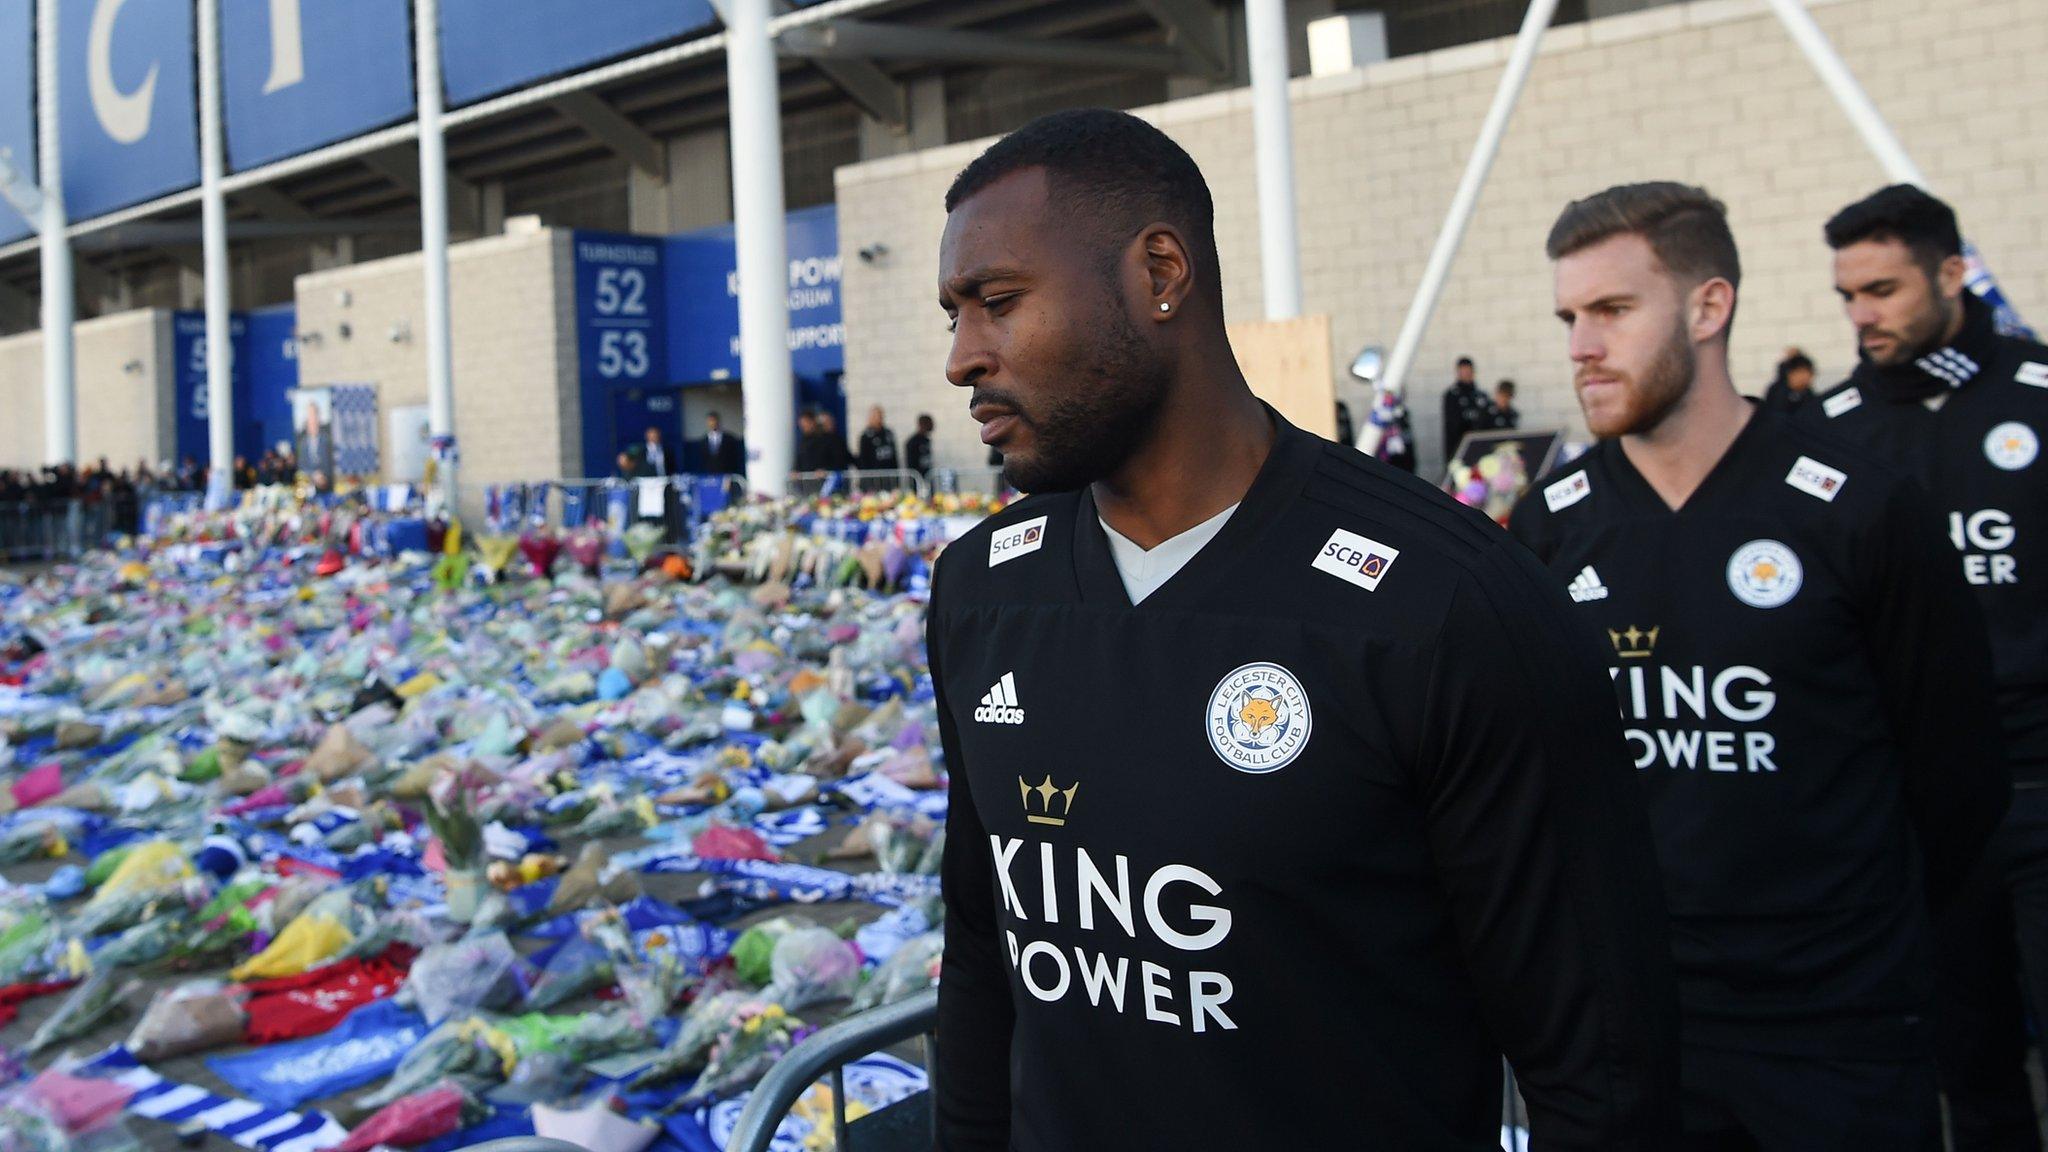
(42, 531)
(958, 480)
(687, 498)
(829, 1050)
(856, 482)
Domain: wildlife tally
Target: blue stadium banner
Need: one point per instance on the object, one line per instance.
(266, 370)
(17, 104)
(127, 101)
(188, 374)
(269, 363)
(703, 294)
(621, 330)
(490, 46)
(298, 74)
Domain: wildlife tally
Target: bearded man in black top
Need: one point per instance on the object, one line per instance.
(1244, 850)
(1806, 686)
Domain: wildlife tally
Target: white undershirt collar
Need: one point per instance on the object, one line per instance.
(1145, 570)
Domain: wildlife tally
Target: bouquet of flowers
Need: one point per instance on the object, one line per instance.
(811, 965)
(458, 977)
(497, 554)
(540, 547)
(586, 548)
(912, 968)
(691, 1047)
(753, 1038)
(579, 966)
(26, 936)
(145, 943)
(454, 800)
(469, 1046)
(100, 998)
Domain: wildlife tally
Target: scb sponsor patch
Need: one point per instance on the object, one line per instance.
(1016, 540)
(1568, 491)
(1356, 559)
(1816, 479)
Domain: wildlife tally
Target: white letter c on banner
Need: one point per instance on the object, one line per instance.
(287, 46)
(125, 116)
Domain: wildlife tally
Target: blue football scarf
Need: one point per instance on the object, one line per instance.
(244, 1122)
(364, 1048)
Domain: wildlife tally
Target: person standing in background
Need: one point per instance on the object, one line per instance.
(1506, 416)
(1939, 392)
(917, 451)
(720, 453)
(1466, 408)
(1806, 685)
(1793, 383)
(807, 447)
(877, 444)
(832, 445)
(653, 455)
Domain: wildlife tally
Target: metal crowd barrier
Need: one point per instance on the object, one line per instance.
(897, 1129)
(855, 481)
(904, 1127)
(954, 481)
(43, 531)
(687, 499)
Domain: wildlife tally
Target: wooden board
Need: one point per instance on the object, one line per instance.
(1288, 364)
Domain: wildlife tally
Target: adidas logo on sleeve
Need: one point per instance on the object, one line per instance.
(999, 704)
(1586, 586)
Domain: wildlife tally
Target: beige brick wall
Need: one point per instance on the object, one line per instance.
(1711, 92)
(125, 392)
(514, 346)
(21, 401)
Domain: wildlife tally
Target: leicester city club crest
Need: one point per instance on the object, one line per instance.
(1258, 718)
(2012, 446)
(1764, 574)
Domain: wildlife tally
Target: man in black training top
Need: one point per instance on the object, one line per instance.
(1942, 395)
(1244, 851)
(1466, 409)
(1805, 685)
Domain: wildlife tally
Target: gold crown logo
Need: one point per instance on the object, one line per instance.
(1634, 644)
(1045, 792)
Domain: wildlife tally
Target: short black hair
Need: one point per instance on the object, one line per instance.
(1110, 168)
(1901, 212)
(1466, 362)
(1793, 363)
(1507, 386)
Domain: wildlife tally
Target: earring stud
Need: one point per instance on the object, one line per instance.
(1165, 307)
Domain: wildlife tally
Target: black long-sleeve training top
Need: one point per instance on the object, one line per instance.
(1296, 848)
(1967, 421)
(1806, 688)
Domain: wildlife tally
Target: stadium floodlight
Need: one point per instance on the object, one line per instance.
(19, 191)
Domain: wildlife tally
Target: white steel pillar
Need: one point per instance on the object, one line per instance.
(434, 253)
(220, 348)
(1467, 196)
(1265, 24)
(60, 389)
(768, 390)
